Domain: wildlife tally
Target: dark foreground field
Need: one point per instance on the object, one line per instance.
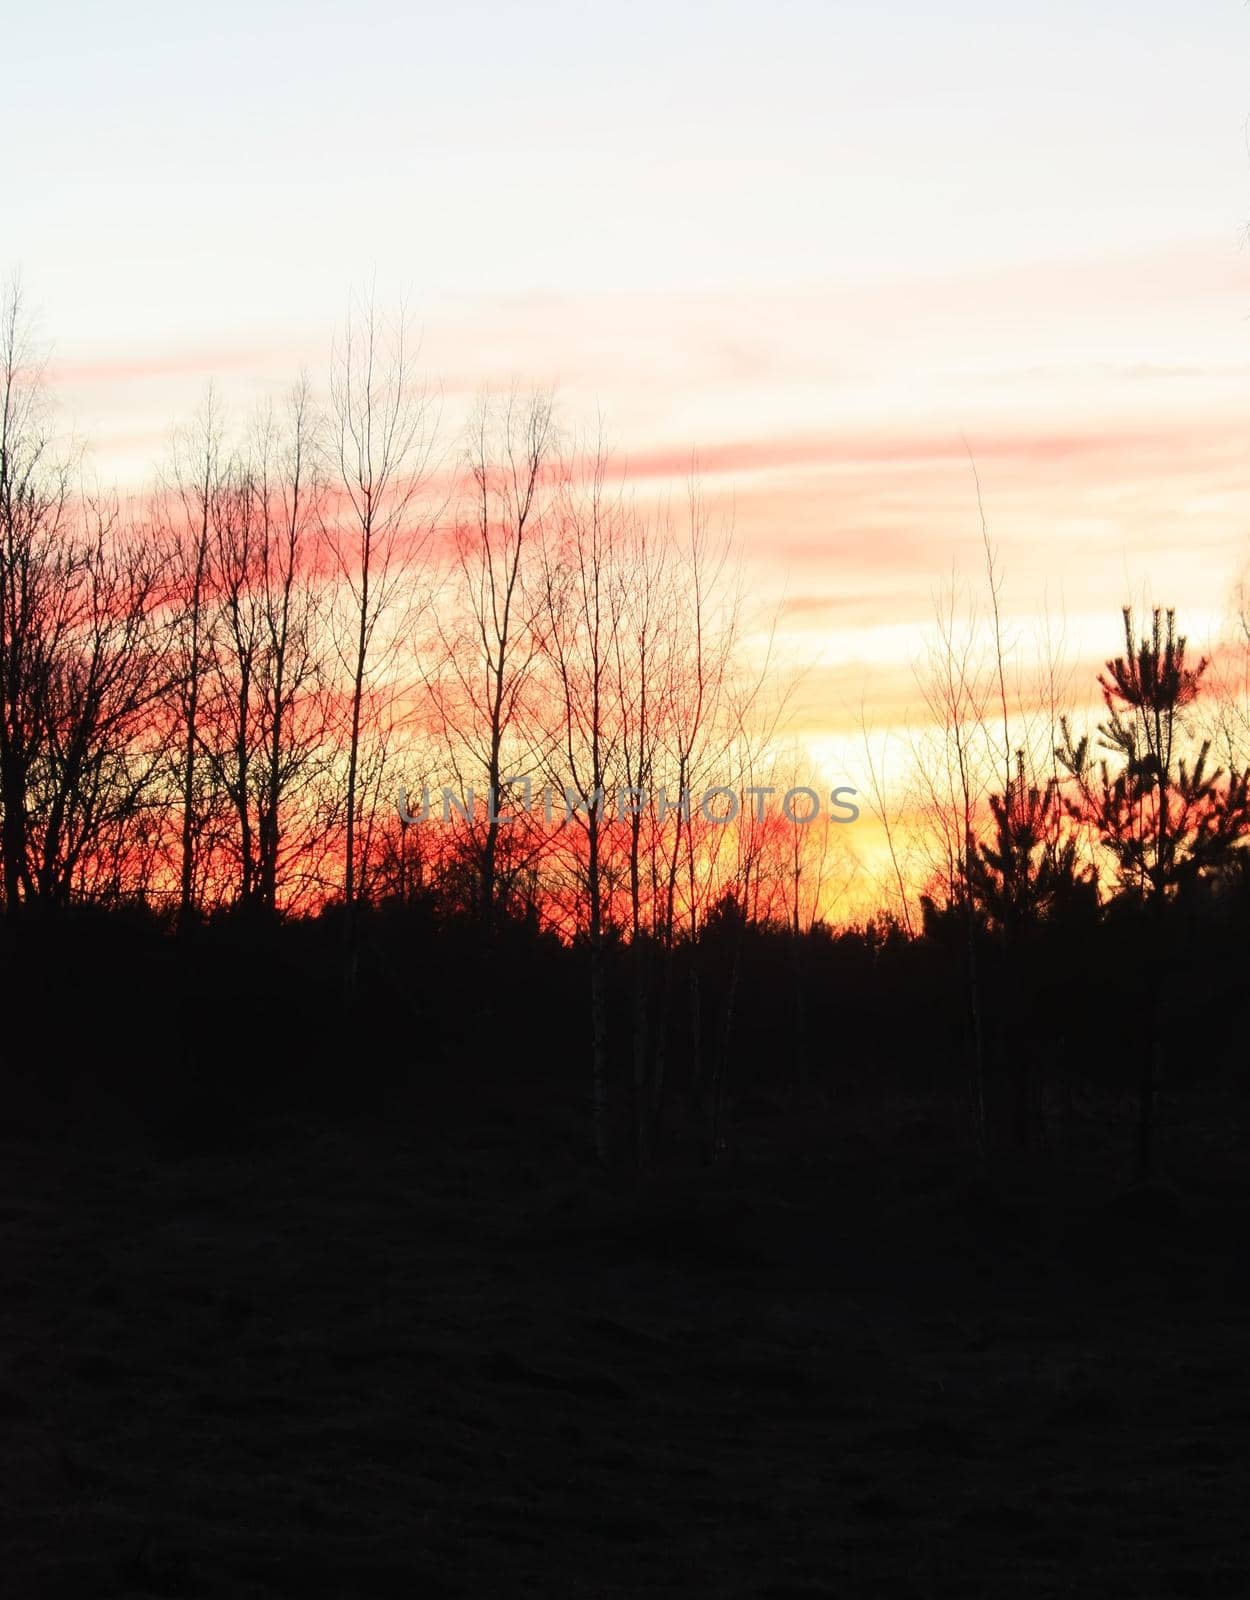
(392, 1357)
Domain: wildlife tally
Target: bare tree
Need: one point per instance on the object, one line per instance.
(197, 484)
(584, 609)
(492, 640)
(293, 681)
(34, 496)
(108, 672)
(383, 429)
(955, 778)
(227, 732)
(263, 726)
(644, 647)
(696, 738)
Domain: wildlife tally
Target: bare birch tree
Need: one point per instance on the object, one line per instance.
(491, 644)
(383, 431)
(197, 484)
(584, 608)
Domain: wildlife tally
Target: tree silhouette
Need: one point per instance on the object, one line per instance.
(485, 684)
(34, 513)
(1028, 874)
(1030, 869)
(1166, 819)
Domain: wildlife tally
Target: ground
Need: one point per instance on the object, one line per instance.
(382, 1358)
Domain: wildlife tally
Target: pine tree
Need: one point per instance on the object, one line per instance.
(1029, 871)
(1027, 874)
(1167, 819)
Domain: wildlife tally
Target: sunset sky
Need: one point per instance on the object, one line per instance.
(815, 245)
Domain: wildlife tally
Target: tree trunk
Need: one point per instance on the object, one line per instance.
(599, 1103)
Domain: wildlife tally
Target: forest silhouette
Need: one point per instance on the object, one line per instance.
(210, 699)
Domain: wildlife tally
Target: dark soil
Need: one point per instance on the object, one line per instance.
(391, 1358)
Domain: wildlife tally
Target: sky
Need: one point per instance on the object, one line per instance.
(831, 252)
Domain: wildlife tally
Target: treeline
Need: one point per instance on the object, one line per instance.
(214, 696)
(211, 699)
(1056, 853)
(755, 1034)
